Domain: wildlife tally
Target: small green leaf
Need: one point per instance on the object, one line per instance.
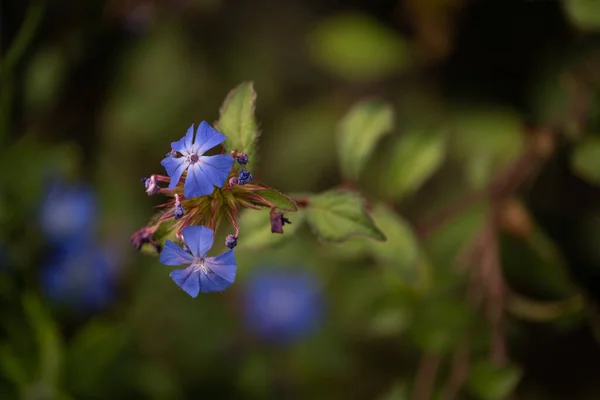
(586, 159)
(258, 224)
(278, 199)
(337, 215)
(415, 158)
(358, 133)
(237, 120)
(490, 382)
(400, 250)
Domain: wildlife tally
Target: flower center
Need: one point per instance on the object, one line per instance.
(194, 158)
(198, 264)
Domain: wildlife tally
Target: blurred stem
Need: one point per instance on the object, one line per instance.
(458, 373)
(426, 374)
(15, 52)
(23, 39)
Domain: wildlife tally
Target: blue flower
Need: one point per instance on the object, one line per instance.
(282, 305)
(203, 172)
(80, 277)
(204, 274)
(67, 212)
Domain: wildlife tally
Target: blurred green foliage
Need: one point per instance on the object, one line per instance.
(463, 133)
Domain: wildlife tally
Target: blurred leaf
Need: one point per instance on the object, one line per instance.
(11, 367)
(49, 341)
(415, 158)
(237, 120)
(156, 381)
(546, 276)
(337, 215)
(358, 48)
(440, 324)
(44, 77)
(585, 14)
(279, 200)
(586, 159)
(485, 139)
(490, 382)
(358, 133)
(398, 392)
(400, 250)
(91, 353)
(154, 90)
(257, 224)
(390, 322)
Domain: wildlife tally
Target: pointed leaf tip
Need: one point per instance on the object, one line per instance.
(359, 132)
(237, 120)
(339, 214)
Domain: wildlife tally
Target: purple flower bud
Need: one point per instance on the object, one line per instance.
(242, 158)
(231, 241)
(245, 177)
(143, 236)
(277, 222)
(178, 211)
(151, 185)
(233, 181)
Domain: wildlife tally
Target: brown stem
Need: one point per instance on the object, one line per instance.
(425, 378)
(459, 371)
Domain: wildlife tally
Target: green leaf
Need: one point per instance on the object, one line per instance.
(490, 382)
(337, 215)
(358, 133)
(278, 199)
(400, 250)
(586, 159)
(358, 48)
(237, 120)
(585, 14)
(415, 158)
(258, 224)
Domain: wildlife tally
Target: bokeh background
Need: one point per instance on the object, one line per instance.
(490, 176)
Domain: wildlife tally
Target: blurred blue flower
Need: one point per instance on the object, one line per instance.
(203, 172)
(282, 305)
(80, 277)
(205, 274)
(67, 212)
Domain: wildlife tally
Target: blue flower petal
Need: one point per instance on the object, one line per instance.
(223, 265)
(174, 255)
(184, 145)
(207, 138)
(196, 182)
(212, 283)
(175, 167)
(188, 279)
(216, 168)
(198, 239)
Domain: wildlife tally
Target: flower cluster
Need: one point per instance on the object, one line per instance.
(204, 191)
